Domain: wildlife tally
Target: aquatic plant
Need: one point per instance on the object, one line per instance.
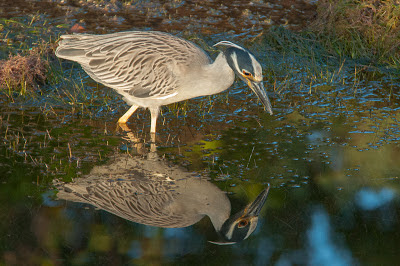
(20, 73)
(26, 58)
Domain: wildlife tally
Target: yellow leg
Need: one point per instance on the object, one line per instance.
(128, 114)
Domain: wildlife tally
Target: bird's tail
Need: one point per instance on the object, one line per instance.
(74, 47)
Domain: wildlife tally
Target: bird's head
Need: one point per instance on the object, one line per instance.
(247, 68)
(241, 225)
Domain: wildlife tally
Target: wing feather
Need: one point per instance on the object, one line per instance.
(142, 64)
(141, 202)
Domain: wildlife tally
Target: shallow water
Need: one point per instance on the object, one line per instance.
(330, 153)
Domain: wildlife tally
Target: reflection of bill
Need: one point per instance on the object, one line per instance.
(152, 193)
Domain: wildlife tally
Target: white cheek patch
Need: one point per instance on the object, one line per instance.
(229, 234)
(234, 59)
(257, 68)
(253, 226)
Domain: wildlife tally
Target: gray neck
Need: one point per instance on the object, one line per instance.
(209, 79)
(200, 197)
(219, 216)
(205, 80)
(222, 76)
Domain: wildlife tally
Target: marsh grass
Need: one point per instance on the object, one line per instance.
(26, 55)
(31, 74)
(302, 62)
(21, 73)
(359, 29)
(313, 59)
(347, 44)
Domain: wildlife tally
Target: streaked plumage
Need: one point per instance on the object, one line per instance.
(151, 192)
(151, 69)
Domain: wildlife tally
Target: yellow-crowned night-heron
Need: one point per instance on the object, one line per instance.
(151, 69)
(151, 192)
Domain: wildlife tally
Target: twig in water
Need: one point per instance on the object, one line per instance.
(250, 157)
(70, 152)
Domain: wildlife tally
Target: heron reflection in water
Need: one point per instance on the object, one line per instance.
(148, 191)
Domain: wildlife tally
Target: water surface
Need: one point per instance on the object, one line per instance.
(330, 153)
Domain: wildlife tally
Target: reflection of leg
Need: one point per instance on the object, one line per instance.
(154, 115)
(124, 127)
(153, 147)
(137, 143)
(152, 155)
(128, 114)
(130, 136)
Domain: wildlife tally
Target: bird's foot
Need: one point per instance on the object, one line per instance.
(124, 127)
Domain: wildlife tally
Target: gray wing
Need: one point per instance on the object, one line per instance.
(143, 64)
(150, 203)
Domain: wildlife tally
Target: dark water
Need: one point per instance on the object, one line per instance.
(330, 154)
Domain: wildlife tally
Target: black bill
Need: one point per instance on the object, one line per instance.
(259, 90)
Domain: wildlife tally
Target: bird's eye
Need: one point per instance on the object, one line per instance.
(243, 223)
(247, 74)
